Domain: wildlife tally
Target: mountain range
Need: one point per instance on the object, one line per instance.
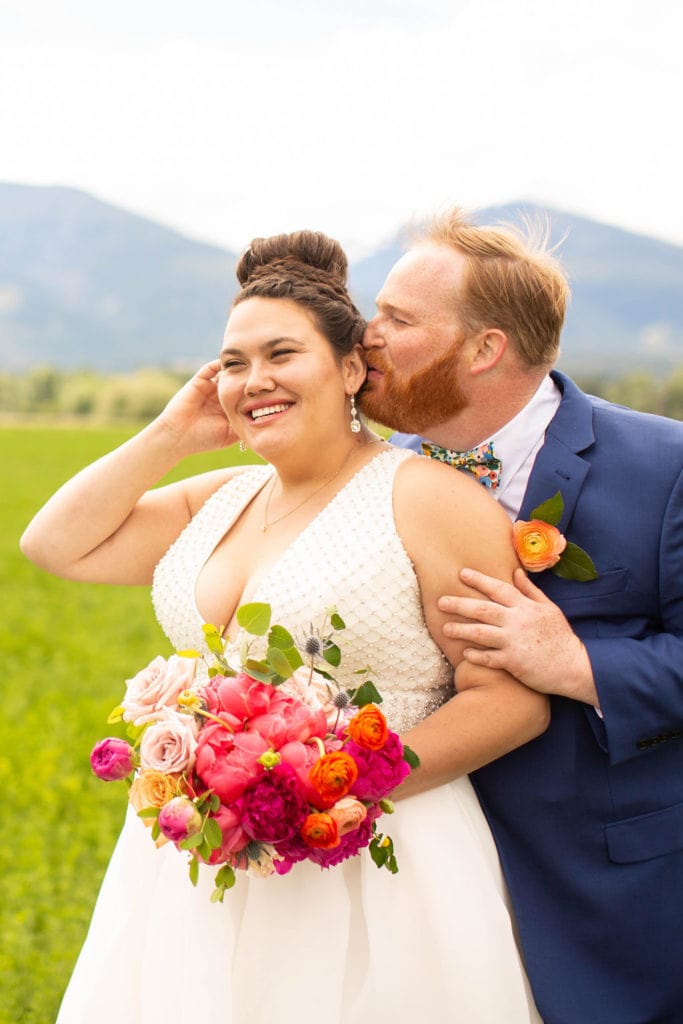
(87, 284)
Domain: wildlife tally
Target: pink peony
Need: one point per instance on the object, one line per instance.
(226, 762)
(169, 745)
(379, 771)
(274, 807)
(112, 759)
(314, 691)
(179, 818)
(237, 698)
(154, 690)
(234, 836)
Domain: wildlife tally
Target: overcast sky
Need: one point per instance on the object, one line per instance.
(227, 120)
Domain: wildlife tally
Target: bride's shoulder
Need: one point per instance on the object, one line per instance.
(203, 486)
(428, 491)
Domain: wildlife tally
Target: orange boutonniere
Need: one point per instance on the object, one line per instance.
(540, 545)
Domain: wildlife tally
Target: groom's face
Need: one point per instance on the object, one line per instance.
(414, 343)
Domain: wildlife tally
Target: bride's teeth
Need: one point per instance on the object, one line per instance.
(267, 411)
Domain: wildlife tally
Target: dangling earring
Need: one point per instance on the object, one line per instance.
(355, 422)
(243, 446)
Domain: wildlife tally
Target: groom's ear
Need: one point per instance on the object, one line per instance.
(487, 349)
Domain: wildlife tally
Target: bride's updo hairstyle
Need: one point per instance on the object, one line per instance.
(310, 269)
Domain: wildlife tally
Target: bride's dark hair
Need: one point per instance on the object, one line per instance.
(310, 269)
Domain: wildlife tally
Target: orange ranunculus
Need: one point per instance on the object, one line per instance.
(538, 544)
(369, 728)
(320, 831)
(332, 776)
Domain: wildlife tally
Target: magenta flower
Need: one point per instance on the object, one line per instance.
(379, 771)
(274, 806)
(112, 759)
(179, 818)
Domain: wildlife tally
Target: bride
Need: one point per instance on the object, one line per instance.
(336, 517)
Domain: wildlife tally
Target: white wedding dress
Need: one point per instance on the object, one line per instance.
(343, 946)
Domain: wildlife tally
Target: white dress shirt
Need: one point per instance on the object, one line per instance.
(517, 444)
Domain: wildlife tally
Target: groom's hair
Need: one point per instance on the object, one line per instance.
(310, 269)
(512, 281)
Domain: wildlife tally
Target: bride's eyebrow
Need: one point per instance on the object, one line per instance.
(235, 350)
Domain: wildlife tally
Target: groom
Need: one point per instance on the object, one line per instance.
(588, 818)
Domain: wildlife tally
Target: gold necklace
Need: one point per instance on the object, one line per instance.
(265, 525)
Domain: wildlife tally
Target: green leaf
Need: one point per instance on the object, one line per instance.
(280, 637)
(366, 694)
(337, 622)
(217, 895)
(194, 870)
(156, 831)
(378, 853)
(149, 812)
(332, 654)
(192, 842)
(190, 653)
(214, 640)
(279, 662)
(212, 833)
(116, 715)
(254, 618)
(225, 877)
(411, 757)
(575, 564)
(551, 510)
(258, 670)
(214, 802)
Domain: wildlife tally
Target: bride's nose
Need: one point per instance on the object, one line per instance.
(259, 378)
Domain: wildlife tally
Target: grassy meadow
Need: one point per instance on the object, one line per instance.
(65, 651)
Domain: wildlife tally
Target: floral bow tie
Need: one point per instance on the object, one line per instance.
(481, 461)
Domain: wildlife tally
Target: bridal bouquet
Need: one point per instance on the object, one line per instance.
(262, 766)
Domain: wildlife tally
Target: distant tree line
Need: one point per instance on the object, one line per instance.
(142, 394)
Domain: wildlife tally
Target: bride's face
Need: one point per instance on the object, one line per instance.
(280, 382)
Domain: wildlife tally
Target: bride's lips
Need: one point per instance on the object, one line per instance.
(266, 411)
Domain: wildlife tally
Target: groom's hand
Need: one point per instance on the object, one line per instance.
(517, 628)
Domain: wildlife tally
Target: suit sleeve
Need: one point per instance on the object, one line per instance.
(640, 679)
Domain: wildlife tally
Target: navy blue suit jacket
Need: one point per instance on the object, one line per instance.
(588, 818)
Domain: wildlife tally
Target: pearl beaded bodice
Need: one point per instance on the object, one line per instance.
(351, 557)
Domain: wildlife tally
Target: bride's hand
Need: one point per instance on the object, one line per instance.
(194, 416)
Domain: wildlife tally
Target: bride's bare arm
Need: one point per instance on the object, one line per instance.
(106, 525)
(446, 521)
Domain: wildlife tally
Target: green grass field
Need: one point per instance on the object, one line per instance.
(65, 651)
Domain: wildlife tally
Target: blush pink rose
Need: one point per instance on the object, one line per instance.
(313, 690)
(227, 762)
(154, 690)
(169, 746)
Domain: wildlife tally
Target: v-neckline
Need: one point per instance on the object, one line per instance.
(285, 551)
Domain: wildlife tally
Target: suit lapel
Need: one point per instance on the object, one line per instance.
(559, 465)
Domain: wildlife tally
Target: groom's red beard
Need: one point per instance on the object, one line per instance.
(418, 401)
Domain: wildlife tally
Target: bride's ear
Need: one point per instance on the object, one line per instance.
(354, 369)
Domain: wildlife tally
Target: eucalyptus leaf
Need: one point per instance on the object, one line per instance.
(254, 618)
(212, 833)
(149, 812)
(280, 637)
(278, 661)
(192, 842)
(551, 510)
